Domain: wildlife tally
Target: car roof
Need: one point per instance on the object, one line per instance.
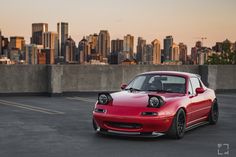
(177, 73)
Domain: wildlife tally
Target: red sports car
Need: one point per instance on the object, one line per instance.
(154, 103)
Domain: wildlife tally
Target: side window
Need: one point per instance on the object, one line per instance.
(195, 84)
(190, 88)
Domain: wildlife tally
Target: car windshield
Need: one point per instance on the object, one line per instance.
(158, 83)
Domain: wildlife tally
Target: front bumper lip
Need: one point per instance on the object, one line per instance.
(149, 124)
(129, 134)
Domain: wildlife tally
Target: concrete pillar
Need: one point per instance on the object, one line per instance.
(212, 76)
(55, 73)
(203, 72)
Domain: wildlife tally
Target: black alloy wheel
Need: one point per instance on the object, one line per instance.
(178, 126)
(181, 124)
(95, 127)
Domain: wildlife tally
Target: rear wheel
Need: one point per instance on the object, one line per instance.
(178, 126)
(214, 113)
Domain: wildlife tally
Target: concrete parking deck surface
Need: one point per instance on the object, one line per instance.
(61, 127)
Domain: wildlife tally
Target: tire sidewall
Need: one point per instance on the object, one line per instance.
(212, 120)
(173, 130)
(181, 111)
(95, 126)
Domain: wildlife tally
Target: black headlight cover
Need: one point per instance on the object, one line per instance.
(161, 101)
(105, 100)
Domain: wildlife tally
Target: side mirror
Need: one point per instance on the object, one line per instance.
(123, 86)
(200, 90)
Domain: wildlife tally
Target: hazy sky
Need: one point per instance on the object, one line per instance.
(186, 20)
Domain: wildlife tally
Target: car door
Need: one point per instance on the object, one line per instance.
(197, 104)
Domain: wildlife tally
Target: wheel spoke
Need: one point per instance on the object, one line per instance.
(180, 124)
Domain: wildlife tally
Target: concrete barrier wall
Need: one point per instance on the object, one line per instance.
(23, 79)
(103, 78)
(56, 79)
(226, 78)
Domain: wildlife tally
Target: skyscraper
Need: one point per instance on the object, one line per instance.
(117, 45)
(194, 55)
(17, 42)
(16, 47)
(70, 50)
(129, 46)
(104, 44)
(168, 42)
(194, 52)
(50, 41)
(31, 54)
(148, 54)
(5, 46)
(37, 33)
(63, 35)
(116, 51)
(183, 53)
(93, 42)
(156, 52)
(47, 56)
(140, 49)
(174, 52)
(41, 55)
(84, 51)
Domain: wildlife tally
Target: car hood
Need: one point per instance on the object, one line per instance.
(140, 98)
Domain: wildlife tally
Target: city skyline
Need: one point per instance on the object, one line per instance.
(186, 20)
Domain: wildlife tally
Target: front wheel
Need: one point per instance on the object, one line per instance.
(95, 126)
(178, 126)
(214, 113)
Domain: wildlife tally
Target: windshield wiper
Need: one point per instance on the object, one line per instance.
(132, 89)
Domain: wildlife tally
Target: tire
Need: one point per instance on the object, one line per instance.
(214, 113)
(95, 127)
(178, 125)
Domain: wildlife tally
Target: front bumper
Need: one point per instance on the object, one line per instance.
(129, 134)
(132, 124)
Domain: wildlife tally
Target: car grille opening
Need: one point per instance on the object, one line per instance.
(124, 125)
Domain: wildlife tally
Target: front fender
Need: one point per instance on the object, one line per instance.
(172, 107)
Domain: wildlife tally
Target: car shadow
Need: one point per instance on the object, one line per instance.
(148, 138)
(132, 138)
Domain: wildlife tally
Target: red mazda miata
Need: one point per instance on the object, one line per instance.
(155, 103)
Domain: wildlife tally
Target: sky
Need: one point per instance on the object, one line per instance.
(186, 20)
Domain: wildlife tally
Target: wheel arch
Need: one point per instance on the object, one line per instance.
(215, 100)
(185, 111)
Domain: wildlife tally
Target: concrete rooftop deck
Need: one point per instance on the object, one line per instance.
(61, 127)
